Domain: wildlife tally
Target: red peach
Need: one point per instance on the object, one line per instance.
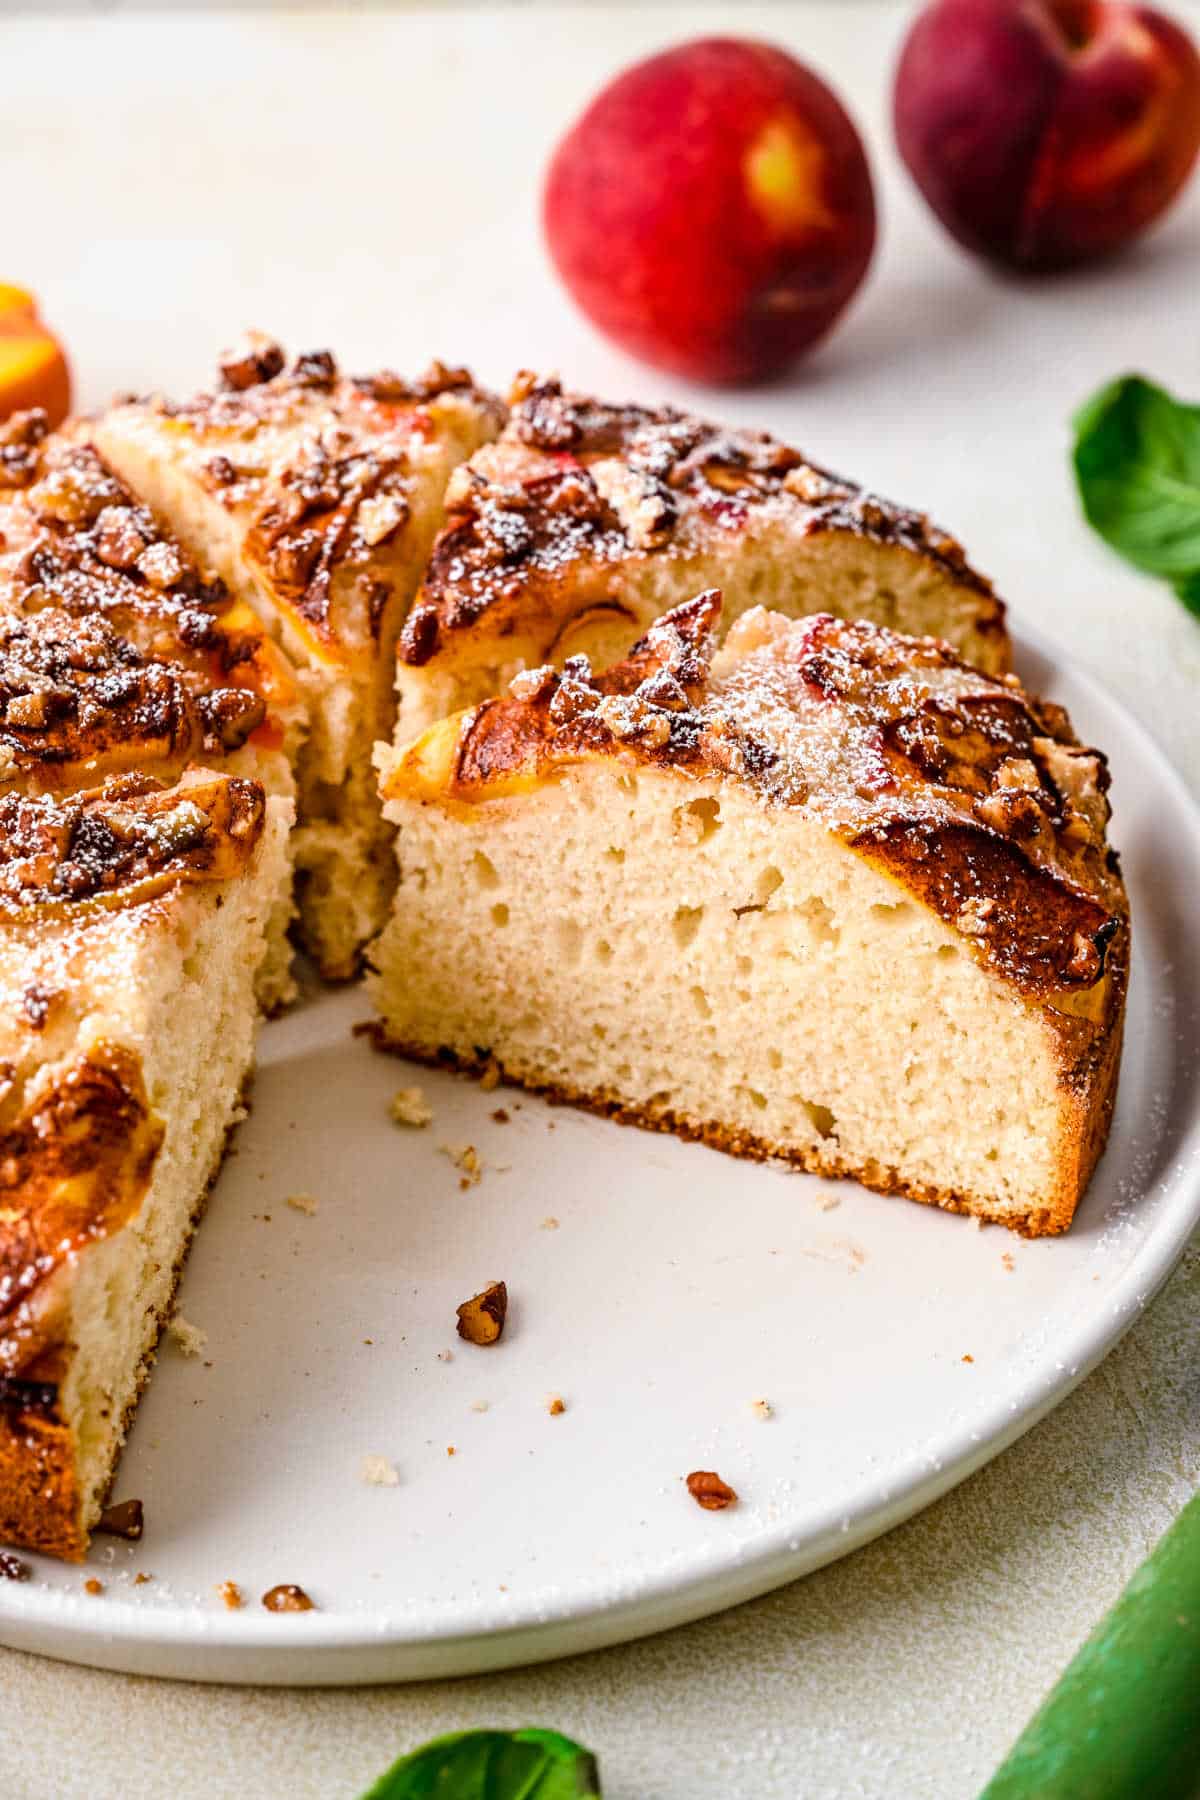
(712, 210)
(1047, 132)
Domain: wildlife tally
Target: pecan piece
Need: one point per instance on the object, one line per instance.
(709, 1491)
(255, 359)
(287, 1597)
(481, 1319)
(125, 1520)
(315, 368)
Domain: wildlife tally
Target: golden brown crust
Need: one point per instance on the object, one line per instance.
(115, 652)
(75, 1163)
(966, 791)
(74, 1167)
(577, 487)
(1049, 1220)
(40, 1502)
(317, 469)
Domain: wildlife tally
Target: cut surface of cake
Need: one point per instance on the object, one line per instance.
(833, 896)
(316, 498)
(586, 521)
(133, 919)
(118, 655)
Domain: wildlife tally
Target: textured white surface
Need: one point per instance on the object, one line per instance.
(370, 183)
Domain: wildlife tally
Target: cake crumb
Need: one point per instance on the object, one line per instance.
(377, 1471)
(232, 1595)
(1007, 1262)
(709, 1491)
(12, 1568)
(287, 1597)
(141, 1578)
(189, 1338)
(410, 1107)
(479, 1406)
(501, 1115)
(827, 1201)
(92, 1586)
(762, 1409)
(491, 1075)
(970, 1359)
(978, 1221)
(466, 1161)
(556, 1405)
(550, 1224)
(445, 1356)
(304, 1203)
(450, 1450)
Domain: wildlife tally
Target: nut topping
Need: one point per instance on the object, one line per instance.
(125, 1519)
(287, 1597)
(257, 358)
(481, 1319)
(709, 1491)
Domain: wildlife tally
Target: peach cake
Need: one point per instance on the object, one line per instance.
(711, 889)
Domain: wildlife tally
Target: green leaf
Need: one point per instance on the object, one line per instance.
(1137, 462)
(492, 1765)
(1188, 589)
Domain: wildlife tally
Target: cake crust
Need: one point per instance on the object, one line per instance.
(560, 527)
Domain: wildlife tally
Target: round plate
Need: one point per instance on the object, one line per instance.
(660, 1288)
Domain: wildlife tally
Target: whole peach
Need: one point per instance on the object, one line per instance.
(1047, 132)
(712, 210)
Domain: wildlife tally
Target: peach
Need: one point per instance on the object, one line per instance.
(712, 210)
(1047, 132)
(33, 369)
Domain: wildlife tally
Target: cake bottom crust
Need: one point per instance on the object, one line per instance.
(1046, 1221)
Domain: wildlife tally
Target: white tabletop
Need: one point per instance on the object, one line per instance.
(370, 183)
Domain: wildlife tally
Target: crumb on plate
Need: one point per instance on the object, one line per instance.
(377, 1471)
(409, 1106)
(189, 1338)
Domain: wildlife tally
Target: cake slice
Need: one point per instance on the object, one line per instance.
(833, 896)
(316, 499)
(586, 521)
(118, 655)
(133, 918)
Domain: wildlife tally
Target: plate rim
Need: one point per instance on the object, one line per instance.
(337, 1647)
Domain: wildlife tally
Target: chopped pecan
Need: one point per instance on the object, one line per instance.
(315, 368)
(118, 539)
(20, 436)
(481, 1319)
(161, 565)
(709, 1491)
(287, 1597)
(257, 358)
(126, 1519)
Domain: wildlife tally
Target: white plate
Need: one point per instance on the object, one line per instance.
(679, 1286)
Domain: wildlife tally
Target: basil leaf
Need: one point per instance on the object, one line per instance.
(1188, 589)
(492, 1765)
(1137, 462)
